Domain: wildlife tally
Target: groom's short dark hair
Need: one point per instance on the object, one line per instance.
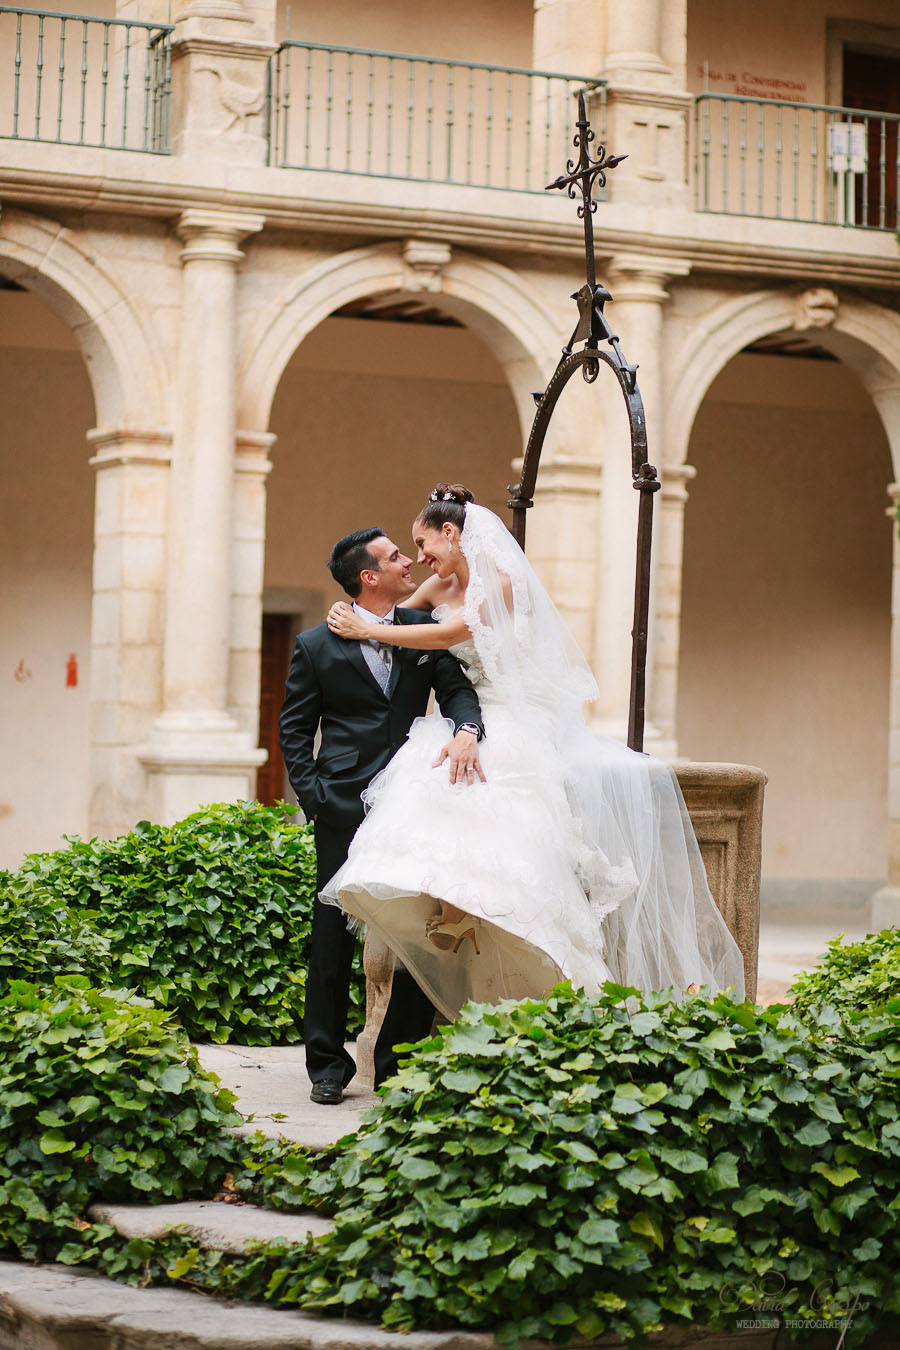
(351, 555)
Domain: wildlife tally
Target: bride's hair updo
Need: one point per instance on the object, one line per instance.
(446, 502)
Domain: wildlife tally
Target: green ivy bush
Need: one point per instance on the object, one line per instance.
(101, 1097)
(853, 977)
(40, 937)
(583, 1167)
(210, 917)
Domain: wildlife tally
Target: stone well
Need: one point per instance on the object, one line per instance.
(725, 802)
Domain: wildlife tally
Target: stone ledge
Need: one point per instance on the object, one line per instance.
(53, 1307)
(211, 1223)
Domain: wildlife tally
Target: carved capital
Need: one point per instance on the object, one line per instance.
(252, 452)
(640, 276)
(425, 260)
(115, 446)
(674, 479)
(215, 235)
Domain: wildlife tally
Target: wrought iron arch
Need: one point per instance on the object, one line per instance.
(593, 329)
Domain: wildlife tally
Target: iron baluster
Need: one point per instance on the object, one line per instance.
(40, 73)
(725, 127)
(390, 112)
(469, 116)
(125, 78)
(60, 78)
(371, 113)
(349, 130)
(796, 184)
(410, 105)
(329, 100)
(882, 161)
(104, 83)
(489, 127)
(450, 116)
(18, 76)
(779, 147)
(528, 116)
(508, 127)
(84, 73)
(706, 153)
(148, 88)
(743, 159)
(429, 118)
(814, 165)
(761, 158)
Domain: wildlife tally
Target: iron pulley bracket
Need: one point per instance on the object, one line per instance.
(600, 344)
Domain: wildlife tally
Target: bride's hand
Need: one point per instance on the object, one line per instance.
(346, 623)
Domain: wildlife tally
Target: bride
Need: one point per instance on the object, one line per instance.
(574, 859)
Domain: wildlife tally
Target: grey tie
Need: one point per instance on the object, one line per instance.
(379, 658)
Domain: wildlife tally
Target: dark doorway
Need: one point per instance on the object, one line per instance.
(872, 82)
(275, 659)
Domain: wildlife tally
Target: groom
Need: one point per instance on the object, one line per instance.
(363, 698)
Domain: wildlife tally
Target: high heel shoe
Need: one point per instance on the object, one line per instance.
(450, 936)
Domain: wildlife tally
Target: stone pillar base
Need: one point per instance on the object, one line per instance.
(191, 762)
(885, 909)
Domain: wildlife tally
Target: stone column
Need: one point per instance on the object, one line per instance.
(129, 582)
(885, 912)
(248, 554)
(665, 636)
(562, 535)
(197, 752)
(638, 286)
(647, 102)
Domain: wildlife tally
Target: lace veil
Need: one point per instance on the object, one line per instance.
(637, 854)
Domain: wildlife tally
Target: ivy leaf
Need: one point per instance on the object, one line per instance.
(838, 1176)
(53, 1141)
(646, 1226)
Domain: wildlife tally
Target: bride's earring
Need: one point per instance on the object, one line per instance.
(449, 545)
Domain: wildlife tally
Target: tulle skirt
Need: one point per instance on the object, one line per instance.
(576, 861)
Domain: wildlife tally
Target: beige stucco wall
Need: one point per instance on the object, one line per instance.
(364, 445)
(46, 540)
(469, 30)
(739, 44)
(786, 617)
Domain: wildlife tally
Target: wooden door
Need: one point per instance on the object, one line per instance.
(275, 660)
(872, 82)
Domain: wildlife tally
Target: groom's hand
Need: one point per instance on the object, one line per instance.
(462, 752)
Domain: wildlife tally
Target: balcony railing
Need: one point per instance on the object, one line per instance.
(796, 161)
(79, 80)
(425, 119)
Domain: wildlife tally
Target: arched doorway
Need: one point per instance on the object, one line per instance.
(381, 400)
(46, 545)
(785, 629)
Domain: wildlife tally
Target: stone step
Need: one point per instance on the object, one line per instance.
(211, 1223)
(57, 1308)
(272, 1088)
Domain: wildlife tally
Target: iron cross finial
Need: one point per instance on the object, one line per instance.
(583, 173)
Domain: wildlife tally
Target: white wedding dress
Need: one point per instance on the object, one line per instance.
(576, 857)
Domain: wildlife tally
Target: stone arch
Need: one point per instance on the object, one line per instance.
(863, 335)
(488, 297)
(125, 369)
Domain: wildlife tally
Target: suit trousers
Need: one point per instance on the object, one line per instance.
(409, 1014)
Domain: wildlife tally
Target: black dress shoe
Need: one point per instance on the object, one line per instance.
(327, 1092)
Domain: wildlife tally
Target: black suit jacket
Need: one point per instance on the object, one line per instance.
(330, 686)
